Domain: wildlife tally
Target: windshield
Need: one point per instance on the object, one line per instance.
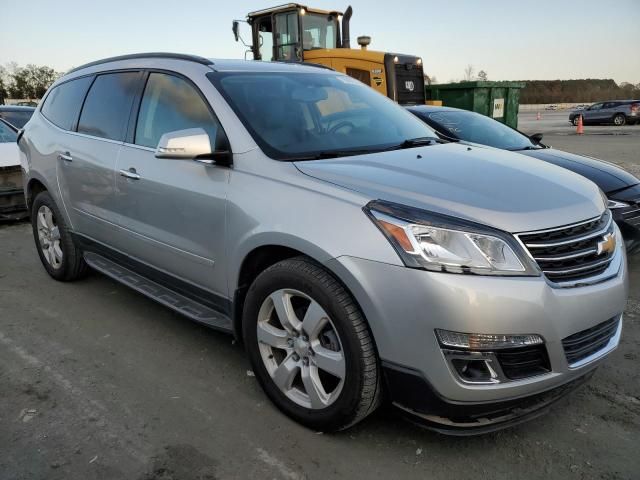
(318, 31)
(292, 115)
(7, 135)
(476, 128)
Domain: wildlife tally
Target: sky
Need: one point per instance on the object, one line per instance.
(510, 40)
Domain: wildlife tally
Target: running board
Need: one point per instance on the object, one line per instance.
(167, 297)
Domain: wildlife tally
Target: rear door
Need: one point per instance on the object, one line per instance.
(173, 211)
(86, 170)
(609, 109)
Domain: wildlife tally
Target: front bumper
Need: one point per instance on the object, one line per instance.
(404, 306)
(415, 397)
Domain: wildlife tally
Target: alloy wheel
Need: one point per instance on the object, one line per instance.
(301, 349)
(49, 237)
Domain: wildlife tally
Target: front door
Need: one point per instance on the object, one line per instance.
(173, 211)
(287, 48)
(593, 113)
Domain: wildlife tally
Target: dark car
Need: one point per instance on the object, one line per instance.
(621, 187)
(617, 112)
(16, 115)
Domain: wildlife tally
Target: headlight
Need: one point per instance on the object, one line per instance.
(445, 244)
(612, 204)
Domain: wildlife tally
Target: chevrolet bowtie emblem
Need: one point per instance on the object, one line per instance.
(607, 245)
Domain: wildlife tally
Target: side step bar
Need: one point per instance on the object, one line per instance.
(181, 304)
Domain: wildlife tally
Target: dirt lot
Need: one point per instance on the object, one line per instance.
(97, 382)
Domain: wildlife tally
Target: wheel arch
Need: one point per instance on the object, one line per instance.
(263, 254)
(34, 187)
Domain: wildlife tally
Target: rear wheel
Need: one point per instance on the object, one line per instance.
(310, 347)
(576, 120)
(58, 253)
(619, 119)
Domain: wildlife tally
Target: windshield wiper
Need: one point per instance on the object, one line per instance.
(417, 142)
(331, 154)
(528, 147)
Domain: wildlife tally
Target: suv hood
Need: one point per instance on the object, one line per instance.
(607, 176)
(484, 185)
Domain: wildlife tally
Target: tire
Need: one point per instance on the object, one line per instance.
(575, 120)
(619, 119)
(308, 287)
(59, 255)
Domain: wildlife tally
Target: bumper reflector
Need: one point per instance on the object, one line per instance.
(484, 341)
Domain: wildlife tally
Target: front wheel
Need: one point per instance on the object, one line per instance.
(576, 120)
(310, 347)
(619, 120)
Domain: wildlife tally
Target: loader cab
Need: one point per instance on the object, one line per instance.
(284, 33)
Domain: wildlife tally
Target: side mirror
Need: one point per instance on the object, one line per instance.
(191, 144)
(235, 30)
(536, 137)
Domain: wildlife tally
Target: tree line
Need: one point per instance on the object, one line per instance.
(575, 91)
(28, 82)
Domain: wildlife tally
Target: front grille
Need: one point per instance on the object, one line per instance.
(409, 84)
(523, 362)
(573, 252)
(587, 342)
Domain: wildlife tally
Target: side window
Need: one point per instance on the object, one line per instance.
(170, 103)
(108, 105)
(62, 105)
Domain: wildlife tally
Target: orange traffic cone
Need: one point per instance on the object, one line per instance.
(580, 129)
(538, 116)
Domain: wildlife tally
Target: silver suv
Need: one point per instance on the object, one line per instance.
(355, 254)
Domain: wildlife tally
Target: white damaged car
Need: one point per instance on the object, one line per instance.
(12, 204)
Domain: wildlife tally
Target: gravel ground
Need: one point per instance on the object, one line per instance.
(98, 382)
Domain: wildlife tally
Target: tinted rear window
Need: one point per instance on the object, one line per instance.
(106, 110)
(17, 119)
(6, 134)
(63, 103)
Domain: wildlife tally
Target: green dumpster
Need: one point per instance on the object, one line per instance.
(498, 100)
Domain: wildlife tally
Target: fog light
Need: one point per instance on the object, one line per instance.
(474, 371)
(484, 341)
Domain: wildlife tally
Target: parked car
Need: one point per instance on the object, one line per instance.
(12, 203)
(27, 104)
(552, 107)
(621, 187)
(353, 251)
(16, 115)
(617, 112)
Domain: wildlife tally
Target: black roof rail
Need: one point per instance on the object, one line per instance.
(173, 56)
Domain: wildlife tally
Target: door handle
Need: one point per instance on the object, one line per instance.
(131, 173)
(66, 156)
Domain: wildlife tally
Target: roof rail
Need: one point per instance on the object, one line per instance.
(174, 56)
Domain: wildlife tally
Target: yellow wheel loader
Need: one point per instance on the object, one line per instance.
(297, 33)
